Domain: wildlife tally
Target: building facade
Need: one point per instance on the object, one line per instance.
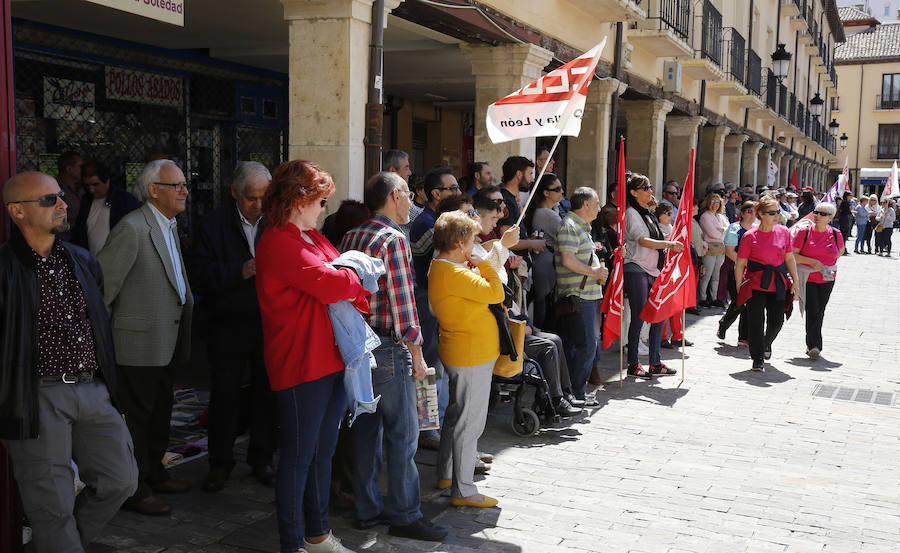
(868, 69)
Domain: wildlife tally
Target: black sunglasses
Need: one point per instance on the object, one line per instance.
(822, 213)
(643, 187)
(454, 187)
(47, 200)
(771, 212)
(557, 189)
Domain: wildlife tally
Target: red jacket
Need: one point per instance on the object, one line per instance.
(294, 285)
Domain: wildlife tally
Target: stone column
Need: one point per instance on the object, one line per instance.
(712, 153)
(682, 132)
(776, 157)
(731, 162)
(587, 154)
(500, 71)
(784, 179)
(327, 106)
(644, 146)
(762, 170)
(751, 163)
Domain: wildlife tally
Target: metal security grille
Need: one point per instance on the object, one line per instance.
(124, 104)
(861, 395)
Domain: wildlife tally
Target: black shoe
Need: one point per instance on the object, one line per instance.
(565, 409)
(704, 303)
(366, 523)
(215, 480)
(639, 371)
(717, 303)
(666, 344)
(720, 333)
(768, 354)
(419, 530)
(692, 311)
(682, 342)
(573, 401)
(265, 475)
(757, 366)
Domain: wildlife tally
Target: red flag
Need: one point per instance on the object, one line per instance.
(794, 179)
(675, 287)
(612, 304)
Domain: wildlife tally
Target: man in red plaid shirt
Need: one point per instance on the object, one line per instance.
(398, 360)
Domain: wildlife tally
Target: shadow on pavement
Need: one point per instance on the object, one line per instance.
(821, 364)
(728, 350)
(762, 379)
(648, 391)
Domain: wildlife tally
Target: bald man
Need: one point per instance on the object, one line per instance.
(58, 363)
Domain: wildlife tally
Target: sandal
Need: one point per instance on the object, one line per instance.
(661, 369)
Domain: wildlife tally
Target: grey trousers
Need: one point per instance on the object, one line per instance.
(470, 390)
(77, 422)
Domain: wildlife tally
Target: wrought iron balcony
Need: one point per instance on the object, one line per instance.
(782, 100)
(711, 35)
(754, 72)
(771, 90)
(666, 32)
(887, 102)
(792, 109)
(735, 50)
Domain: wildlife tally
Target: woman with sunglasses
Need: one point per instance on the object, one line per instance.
(817, 249)
(714, 224)
(294, 283)
(542, 221)
(766, 254)
(645, 246)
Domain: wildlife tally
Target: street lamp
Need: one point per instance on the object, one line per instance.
(833, 127)
(781, 62)
(815, 105)
(844, 138)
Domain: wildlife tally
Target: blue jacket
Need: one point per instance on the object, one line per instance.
(354, 338)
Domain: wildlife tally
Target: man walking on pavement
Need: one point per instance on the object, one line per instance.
(151, 305)
(59, 374)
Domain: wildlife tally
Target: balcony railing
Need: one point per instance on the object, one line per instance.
(735, 51)
(885, 151)
(674, 15)
(889, 102)
(711, 36)
(792, 109)
(771, 90)
(754, 72)
(801, 115)
(782, 100)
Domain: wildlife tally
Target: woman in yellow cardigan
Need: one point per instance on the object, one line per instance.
(469, 344)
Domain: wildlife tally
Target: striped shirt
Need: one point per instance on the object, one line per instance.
(393, 306)
(574, 236)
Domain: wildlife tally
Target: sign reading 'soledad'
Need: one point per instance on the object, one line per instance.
(167, 11)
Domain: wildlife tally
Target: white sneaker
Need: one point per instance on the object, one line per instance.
(813, 353)
(330, 545)
(643, 348)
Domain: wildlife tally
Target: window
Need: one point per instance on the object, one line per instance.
(888, 141)
(890, 91)
(887, 10)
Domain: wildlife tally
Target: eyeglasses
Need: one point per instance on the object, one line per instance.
(671, 192)
(822, 213)
(178, 186)
(644, 187)
(47, 200)
(454, 187)
(771, 212)
(748, 210)
(499, 200)
(557, 189)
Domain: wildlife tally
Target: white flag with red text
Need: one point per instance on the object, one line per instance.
(890, 187)
(549, 106)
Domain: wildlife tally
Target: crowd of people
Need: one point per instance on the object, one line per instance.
(98, 294)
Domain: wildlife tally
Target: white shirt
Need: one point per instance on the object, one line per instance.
(169, 228)
(97, 225)
(250, 230)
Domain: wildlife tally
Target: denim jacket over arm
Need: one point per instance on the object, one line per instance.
(355, 339)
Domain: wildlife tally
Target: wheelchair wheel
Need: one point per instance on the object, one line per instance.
(526, 425)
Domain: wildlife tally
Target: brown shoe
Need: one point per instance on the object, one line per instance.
(595, 377)
(150, 506)
(172, 485)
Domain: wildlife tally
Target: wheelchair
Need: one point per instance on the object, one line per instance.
(526, 420)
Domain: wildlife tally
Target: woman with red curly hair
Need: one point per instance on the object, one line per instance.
(295, 283)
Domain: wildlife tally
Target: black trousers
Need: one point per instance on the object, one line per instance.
(734, 311)
(765, 317)
(817, 296)
(236, 360)
(145, 398)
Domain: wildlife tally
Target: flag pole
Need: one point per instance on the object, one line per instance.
(540, 176)
(683, 339)
(621, 327)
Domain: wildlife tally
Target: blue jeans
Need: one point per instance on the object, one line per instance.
(860, 237)
(397, 422)
(637, 286)
(581, 333)
(309, 414)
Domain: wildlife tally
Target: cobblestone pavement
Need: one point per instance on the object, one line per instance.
(728, 461)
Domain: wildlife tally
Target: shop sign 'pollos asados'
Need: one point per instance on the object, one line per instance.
(167, 11)
(144, 87)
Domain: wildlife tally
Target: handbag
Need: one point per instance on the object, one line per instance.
(510, 365)
(715, 248)
(568, 305)
(879, 228)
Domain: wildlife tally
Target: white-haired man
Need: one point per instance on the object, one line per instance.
(223, 269)
(150, 304)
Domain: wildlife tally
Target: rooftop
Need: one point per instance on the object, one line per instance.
(881, 42)
(852, 13)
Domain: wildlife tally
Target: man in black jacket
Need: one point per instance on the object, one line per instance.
(224, 269)
(59, 371)
(101, 207)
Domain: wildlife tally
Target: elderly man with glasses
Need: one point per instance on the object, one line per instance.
(671, 195)
(150, 303)
(59, 373)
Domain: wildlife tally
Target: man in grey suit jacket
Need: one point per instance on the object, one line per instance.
(150, 304)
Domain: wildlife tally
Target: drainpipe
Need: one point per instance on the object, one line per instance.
(374, 107)
(612, 168)
(862, 76)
